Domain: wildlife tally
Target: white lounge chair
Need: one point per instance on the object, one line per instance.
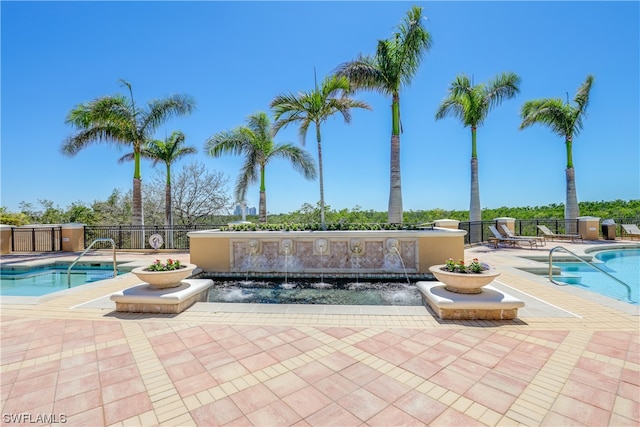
(548, 234)
(630, 230)
(510, 241)
(506, 231)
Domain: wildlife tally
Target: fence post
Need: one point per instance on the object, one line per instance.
(6, 238)
(73, 237)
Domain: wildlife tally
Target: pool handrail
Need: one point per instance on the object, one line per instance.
(588, 263)
(100, 239)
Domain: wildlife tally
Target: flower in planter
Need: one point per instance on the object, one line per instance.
(169, 266)
(475, 266)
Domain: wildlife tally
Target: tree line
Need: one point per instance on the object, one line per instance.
(117, 209)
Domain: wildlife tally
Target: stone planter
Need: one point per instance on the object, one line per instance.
(463, 283)
(164, 279)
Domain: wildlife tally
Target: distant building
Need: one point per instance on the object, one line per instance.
(250, 211)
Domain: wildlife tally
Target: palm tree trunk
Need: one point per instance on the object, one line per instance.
(137, 237)
(320, 172)
(475, 210)
(571, 207)
(262, 206)
(168, 220)
(395, 184)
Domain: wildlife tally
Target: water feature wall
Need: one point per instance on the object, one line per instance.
(325, 252)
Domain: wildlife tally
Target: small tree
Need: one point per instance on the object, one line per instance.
(316, 107)
(199, 195)
(392, 67)
(564, 120)
(471, 104)
(255, 142)
(167, 152)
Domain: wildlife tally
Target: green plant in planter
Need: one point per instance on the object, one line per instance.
(169, 266)
(474, 267)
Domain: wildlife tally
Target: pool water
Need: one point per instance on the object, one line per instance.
(341, 293)
(624, 264)
(43, 280)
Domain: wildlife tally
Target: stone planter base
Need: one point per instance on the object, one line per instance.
(143, 299)
(491, 304)
(463, 283)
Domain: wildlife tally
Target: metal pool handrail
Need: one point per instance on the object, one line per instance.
(101, 239)
(588, 263)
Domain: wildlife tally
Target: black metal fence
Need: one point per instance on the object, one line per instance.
(479, 231)
(36, 239)
(140, 237)
(136, 237)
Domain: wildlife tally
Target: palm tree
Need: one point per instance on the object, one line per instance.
(167, 151)
(315, 107)
(471, 104)
(395, 63)
(117, 120)
(564, 120)
(255, 142)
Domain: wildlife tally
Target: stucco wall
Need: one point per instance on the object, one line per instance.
(324, 251)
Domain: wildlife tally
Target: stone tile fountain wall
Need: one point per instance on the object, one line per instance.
(338, 252)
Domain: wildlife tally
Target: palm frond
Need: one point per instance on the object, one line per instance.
(300, 159)
(232, 142)
(364, 74)
(160, 110)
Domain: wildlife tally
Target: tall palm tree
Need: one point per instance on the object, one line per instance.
(255, 142)
(167, 152)
(564, 120)
(118, 120)
(392, 67)
(471, 104)
(315, 107)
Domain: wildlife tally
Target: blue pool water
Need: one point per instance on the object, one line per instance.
(624, 264)
(42, 280)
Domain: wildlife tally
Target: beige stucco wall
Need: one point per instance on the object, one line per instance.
(447, 223)
(509, 222)
(5, 238)
(436, 250)
(588, 227)
(72, 237)
(210, 254)
(212, 249)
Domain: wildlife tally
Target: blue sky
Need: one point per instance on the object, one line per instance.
(235, 57)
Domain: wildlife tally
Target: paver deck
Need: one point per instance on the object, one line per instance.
(572, 360)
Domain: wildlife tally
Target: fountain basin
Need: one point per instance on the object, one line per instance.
(317, 252)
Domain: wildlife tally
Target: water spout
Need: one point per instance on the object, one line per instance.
(286, 262)
(395, 248)
(253, 247)
(356, 250)
(321, 246)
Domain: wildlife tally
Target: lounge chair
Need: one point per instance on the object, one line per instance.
(506, 231)
(510, 241)
(548, 234)
(630, 230)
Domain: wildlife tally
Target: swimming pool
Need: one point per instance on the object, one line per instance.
(624, 264)
(46, 279)
(338, 293)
